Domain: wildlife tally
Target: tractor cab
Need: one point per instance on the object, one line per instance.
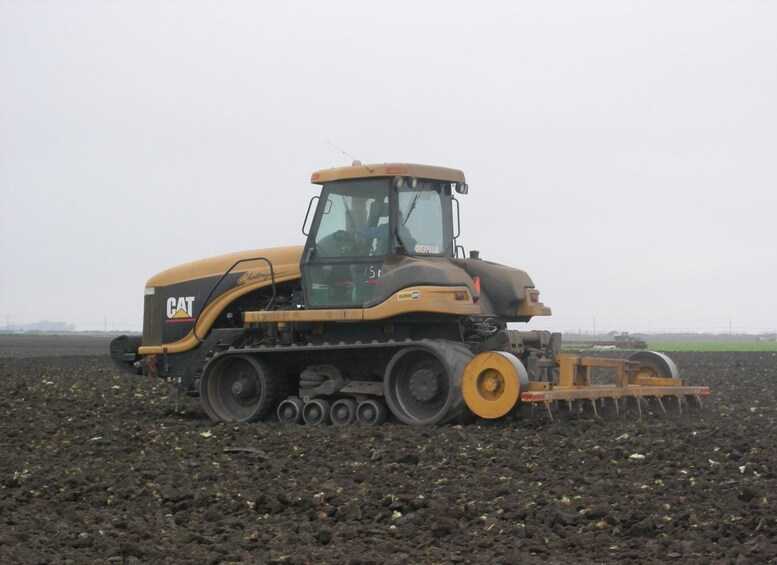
(368, 213)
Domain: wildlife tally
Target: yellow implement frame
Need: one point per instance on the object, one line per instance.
(632, 380)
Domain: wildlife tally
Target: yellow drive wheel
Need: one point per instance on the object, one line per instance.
(492, 383)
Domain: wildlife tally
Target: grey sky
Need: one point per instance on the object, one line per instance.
(623, 153)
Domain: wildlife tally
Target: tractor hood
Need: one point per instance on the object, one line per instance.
(285, 261)
(176, 298)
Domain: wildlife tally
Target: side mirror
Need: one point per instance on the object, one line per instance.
(462, 187)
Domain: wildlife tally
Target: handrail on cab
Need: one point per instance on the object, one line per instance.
(215, 286)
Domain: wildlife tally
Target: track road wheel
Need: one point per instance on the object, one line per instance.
(653, 365)
(492, 383)
(316, 412)
(343, 412)
(238, 388)
(290, 411)
(371, 413)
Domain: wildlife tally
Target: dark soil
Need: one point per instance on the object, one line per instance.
(53, 345)
(106, 467)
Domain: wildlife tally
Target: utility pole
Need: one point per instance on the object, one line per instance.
(105, 322)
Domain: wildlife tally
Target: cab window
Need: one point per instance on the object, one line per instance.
(354, 220)
(421, 229)
(349, 242)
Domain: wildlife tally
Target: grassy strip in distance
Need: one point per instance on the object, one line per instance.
(705, 346)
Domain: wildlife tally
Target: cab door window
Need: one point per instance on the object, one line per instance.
(354, 222)
(349, 241)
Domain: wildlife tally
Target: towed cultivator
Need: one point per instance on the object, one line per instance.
(378, 315)
(645, 376)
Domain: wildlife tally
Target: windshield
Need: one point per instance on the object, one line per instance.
(421, 228)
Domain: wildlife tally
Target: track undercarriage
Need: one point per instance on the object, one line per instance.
(424, 381)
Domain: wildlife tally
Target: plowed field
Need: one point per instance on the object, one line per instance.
(105, 467)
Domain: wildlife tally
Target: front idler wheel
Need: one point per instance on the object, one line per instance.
(492, 383)
(238, 388)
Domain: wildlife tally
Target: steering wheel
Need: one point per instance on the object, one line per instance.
(339, 244)
(347, 243)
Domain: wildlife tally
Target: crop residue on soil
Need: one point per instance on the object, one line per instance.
(102, 466)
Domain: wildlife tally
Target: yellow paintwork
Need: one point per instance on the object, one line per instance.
(490, 385)
(388, 170)
(255, 275)
(431, 299)
(575, 383)
(527, 308)
(576, 371)
(285, 262)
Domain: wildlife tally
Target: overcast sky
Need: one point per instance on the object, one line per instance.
(624, 154)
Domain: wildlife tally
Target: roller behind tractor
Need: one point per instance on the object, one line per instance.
(378, 315)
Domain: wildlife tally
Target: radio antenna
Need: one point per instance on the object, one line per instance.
(354, 160)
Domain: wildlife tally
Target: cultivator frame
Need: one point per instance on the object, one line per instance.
(655, 377)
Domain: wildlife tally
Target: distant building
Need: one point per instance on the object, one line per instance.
(42, 326)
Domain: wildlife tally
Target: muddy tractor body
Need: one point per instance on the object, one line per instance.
(378, 315)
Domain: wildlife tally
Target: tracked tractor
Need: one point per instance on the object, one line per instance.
(378, 315)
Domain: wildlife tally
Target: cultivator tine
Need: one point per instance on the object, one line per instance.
(575, 388)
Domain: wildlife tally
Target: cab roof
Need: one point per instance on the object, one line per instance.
(358, 171)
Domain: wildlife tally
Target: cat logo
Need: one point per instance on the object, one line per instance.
(180, 309)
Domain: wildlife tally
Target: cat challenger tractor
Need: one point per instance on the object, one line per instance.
(377, 315)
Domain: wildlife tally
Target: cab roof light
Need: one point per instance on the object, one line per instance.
(396, 170)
